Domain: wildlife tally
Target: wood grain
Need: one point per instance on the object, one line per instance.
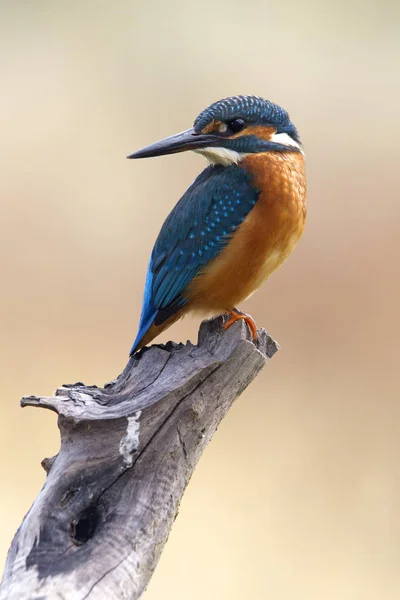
(100, 522)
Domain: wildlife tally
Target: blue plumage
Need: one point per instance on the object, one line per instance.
(196, 230)
(255, 110)
(208, 214)
(148, 310)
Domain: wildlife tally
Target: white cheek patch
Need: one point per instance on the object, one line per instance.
(222, 156)
(286, 140)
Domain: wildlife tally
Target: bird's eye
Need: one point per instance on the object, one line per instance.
(236, 125)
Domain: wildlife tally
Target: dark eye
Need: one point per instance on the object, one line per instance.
(236, 125)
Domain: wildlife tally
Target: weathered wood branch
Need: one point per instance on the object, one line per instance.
(101, 520)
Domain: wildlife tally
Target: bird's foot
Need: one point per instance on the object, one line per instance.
(237, 315)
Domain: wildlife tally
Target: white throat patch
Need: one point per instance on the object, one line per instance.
(222, 156)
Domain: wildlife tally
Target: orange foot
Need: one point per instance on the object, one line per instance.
(236, 315)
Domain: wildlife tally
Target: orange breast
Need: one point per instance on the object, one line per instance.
(263, 241)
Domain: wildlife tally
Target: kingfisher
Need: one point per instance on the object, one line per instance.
(236, 223)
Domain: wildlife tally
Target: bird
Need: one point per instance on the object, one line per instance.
(236, 223)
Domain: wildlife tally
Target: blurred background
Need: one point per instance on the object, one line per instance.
(298, 494)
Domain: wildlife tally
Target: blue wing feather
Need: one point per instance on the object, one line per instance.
(193, 234)
(148, 309)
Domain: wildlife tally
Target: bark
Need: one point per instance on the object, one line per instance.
(100, 522)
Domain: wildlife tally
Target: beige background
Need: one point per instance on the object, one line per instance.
(298, 495)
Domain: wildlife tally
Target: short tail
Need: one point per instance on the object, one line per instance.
(148, 331)
(141, 334)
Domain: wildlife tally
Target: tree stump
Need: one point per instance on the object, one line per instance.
(100, 522)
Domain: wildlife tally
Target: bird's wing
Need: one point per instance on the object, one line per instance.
(194, 233)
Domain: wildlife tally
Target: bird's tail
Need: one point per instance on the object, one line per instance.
(148, 331)
(144, 330)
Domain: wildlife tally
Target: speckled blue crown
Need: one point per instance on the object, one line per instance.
(252, 108)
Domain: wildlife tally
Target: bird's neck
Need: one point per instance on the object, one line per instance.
(278, 175)
(221, 156)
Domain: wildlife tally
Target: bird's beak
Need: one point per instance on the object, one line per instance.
(186, 140)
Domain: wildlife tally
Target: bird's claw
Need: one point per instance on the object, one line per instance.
(236, 315)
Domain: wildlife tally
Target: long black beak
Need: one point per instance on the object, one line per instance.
(186, 140)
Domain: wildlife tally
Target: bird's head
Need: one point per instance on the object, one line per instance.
(230, 129)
